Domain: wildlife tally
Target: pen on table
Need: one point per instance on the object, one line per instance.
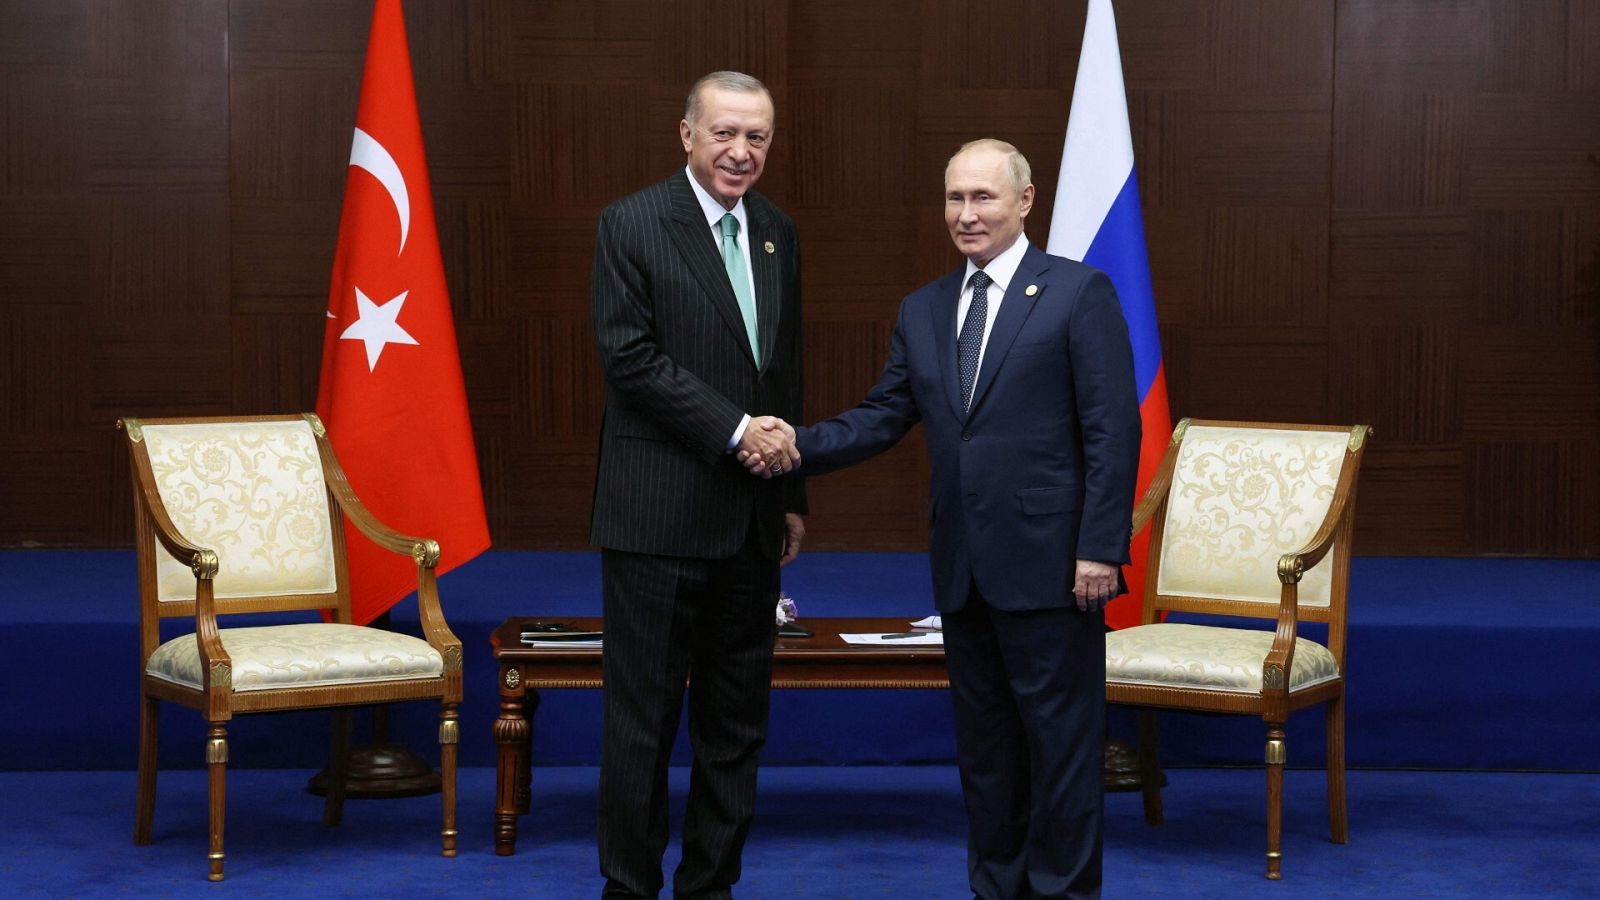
(905, 634)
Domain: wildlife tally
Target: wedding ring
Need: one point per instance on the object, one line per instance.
(777, 467)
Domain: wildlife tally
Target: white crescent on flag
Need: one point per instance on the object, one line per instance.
(367, 153)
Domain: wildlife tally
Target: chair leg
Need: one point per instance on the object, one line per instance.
(1275, 760)
(1149, 770)
(149, 744)
(1338, 821)
(338, 769)
(449, 737)
(217, 770)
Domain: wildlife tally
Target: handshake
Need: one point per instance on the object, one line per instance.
(767, 447)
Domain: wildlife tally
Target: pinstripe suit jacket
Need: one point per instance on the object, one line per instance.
(680, 374)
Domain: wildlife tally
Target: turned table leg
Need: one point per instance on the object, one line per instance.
(511, 734)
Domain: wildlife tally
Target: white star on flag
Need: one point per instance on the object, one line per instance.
(376, 326)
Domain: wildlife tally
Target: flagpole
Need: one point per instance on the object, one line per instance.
(1096, 219)
(391, 378)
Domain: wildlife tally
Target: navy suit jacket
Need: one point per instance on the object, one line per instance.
(1040, 473)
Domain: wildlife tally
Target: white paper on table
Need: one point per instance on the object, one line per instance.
(570, 645)
(933, 638)
(930, 622)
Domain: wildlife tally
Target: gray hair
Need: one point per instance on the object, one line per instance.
(728, 81)
(1016, 164)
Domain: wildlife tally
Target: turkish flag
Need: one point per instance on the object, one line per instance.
(391, 393)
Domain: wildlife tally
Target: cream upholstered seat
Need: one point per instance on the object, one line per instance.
(1217, 659)
(242, 515)
(1247, 520)
(305, 655)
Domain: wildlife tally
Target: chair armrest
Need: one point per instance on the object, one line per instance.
(1279, 661)
(1291, 568)
(1156, 494)
(434, 628)
(201, 561)
(424, 550)
(216, 666)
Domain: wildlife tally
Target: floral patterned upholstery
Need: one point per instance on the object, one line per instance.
(254, 493)
(1242, 497)
(305, 655)
(1203, 656)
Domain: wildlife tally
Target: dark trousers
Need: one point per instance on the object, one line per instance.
(1029, 695)
(668, 619)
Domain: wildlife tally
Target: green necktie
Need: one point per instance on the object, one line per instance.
(733, 261)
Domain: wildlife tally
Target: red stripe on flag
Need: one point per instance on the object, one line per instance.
(1156, 420)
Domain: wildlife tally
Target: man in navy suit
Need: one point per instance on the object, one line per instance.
(1018, 366)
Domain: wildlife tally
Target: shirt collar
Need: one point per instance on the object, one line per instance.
(712, 209)
(1002, 268)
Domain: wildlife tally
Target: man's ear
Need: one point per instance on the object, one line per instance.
(1026, 200)
(685, 133)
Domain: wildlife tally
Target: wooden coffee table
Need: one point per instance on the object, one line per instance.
(823, 661)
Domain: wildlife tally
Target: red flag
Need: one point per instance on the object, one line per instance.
(391, 392)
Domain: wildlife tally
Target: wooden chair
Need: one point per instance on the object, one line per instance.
(1247, 519)
(236, 515)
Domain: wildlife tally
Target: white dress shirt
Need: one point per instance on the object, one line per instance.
(714, 212)
(1001, 270)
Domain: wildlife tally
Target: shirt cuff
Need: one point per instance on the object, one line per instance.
(738, 433)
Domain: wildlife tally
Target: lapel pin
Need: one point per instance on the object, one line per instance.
(770, 248)
(1031, 290)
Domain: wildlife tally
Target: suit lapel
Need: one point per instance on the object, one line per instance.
(692, 236)
(765, 270)
(947, 295)
(1014, 309)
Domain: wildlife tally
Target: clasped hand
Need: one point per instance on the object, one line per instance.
(767, 447)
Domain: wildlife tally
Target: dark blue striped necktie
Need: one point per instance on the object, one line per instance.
(970, 345)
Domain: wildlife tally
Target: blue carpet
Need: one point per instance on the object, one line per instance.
(1453, 663)
(838, 832)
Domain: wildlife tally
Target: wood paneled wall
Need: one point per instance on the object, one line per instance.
(1380, 211)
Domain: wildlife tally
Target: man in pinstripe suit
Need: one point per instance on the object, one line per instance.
(696, 307)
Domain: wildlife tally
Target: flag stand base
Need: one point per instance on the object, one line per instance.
(1122, 769)
(382, 770)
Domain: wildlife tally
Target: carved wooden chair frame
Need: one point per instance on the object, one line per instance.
(1276, 700)
(217, 700)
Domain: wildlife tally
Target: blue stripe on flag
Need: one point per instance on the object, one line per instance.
(1118, 250)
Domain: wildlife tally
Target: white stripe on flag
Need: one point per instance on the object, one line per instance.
(1098, 157)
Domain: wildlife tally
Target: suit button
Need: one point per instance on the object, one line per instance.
(966, 435)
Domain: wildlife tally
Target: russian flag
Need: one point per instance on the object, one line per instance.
(1096, 220)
